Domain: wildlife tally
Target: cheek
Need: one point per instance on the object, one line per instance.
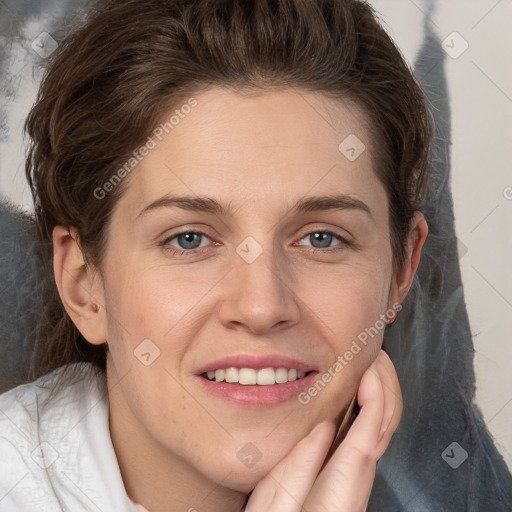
(348, 299)
(349, 304)
(152, 302)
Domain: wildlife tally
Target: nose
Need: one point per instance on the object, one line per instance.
(258, 297)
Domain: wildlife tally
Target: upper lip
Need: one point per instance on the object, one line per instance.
(256, 362)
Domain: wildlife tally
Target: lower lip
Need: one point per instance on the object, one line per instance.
(258, 396)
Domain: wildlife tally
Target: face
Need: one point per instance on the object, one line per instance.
(276, 256)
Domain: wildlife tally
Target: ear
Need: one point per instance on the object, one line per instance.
(80, 286)
(403, 276)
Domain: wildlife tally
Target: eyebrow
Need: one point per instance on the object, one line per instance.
(212, 206)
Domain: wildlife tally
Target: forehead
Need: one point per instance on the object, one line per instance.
(259, 147)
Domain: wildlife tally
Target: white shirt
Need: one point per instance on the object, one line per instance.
(58, 455)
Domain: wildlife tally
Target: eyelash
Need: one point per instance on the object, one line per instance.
(188, 252)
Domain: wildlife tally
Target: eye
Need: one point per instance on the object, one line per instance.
(187, 242)
(323, 239)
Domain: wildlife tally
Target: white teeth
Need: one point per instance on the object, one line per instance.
(266, 377)
(251, 377)
(281, 375)
(247, 376)
(292, 374)
(231, 374)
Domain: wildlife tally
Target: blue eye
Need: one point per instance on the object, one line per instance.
(188, 242)
(323, 239)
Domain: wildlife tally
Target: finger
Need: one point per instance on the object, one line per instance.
(384, 370)
(286, 487)
(345, 424)
(393, 403)
(346, 481)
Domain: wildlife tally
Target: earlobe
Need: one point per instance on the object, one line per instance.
(79, 286)
(404, 275)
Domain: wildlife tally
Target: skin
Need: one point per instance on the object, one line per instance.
(257, 155)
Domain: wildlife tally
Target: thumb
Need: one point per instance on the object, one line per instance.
(287, 485)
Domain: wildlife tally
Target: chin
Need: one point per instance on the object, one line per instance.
(249, 465)
(245, 480)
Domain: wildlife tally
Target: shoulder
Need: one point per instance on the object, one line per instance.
(36, 429)
(56, 452)
(34, 405)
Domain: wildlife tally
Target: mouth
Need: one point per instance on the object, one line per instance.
(256, 380)
(255, 377)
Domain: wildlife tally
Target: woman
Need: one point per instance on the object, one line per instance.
(230, 192)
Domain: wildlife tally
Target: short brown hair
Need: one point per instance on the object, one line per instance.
(130, 60)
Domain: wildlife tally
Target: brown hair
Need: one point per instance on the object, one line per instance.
(110, 80)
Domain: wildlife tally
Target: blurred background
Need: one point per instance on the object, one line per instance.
(476, 37)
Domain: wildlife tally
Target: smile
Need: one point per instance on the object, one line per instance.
(251, 376)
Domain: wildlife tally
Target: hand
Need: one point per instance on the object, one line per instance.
(298, 484)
